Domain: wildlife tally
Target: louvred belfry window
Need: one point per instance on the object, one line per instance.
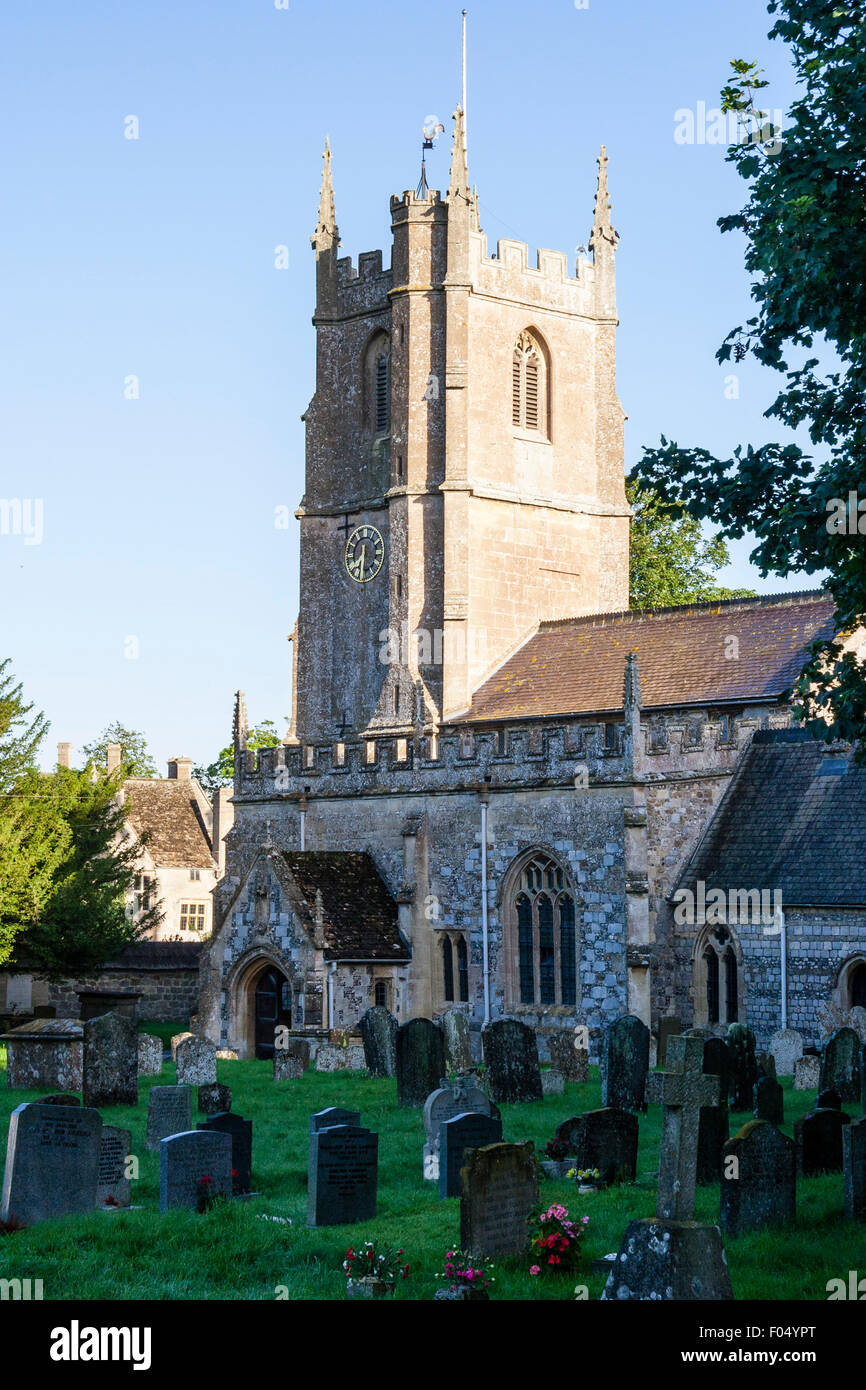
(528, 385)
(383, 394)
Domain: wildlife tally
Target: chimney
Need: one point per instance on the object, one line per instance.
(223, 820)
(180, 769)
(112, 754)
(64, 755)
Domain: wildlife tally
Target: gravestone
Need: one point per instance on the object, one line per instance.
(807, 1073)
(766, 1064)
(149, 1054)
(625, 1063)
(743, 1065)
(175, 1043)
(110, 1061)
(567, 1057)
(669, 1027)
(511, 1058)
(378, 1029)
(341, 1187)
(185, 1159)
(603, 1139)
(327, 1119)
(786, 1046)
(672, 1256)
(828, 1100)
(241, 1133)
(113, 1187)
(818, 1136)
(840, 1065)
(769, 1100)
(499, 1190)
(291, 1060)
(169, 1111)
(214, 1099)
(59, 1098)
(420, 1060)
(458, 1097)
(226, 1054)
(552, 1082)
(761, 1189)
(854, 1168)
(455, 1037)
(714, 1126)
(52, 1162)
(857, 1021)
(456, 1136)
(196, 1062)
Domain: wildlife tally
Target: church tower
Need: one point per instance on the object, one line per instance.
(464, 461)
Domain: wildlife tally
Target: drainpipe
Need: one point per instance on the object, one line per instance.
(485, 944)
(302, 807)
(784, 948)
(332, 970)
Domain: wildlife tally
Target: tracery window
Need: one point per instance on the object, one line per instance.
(529, 385)
(546, 946)
(455, 968)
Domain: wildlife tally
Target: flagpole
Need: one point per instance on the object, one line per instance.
(464, 80)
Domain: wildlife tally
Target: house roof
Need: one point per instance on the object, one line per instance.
(168, 810)
(359, 915)
(577, 665)
(794, 819)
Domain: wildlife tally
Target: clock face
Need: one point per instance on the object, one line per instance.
(365, 551)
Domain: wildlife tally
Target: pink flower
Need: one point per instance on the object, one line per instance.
(535, 1269)
(584, 1221)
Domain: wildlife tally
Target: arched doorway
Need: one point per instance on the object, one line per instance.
(857, 985)
(273, 1006)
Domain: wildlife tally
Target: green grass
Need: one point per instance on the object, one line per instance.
(230, 1254)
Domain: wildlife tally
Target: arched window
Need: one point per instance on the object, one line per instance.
(529, 409)
(544, 946)
(377, 386)
(718, 980)
(858, 987)
(455, 968)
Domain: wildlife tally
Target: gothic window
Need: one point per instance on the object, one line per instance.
(858, 987)
(529, 385)
(377, 386)
(718, 978)
(455, 968)
(544, 946)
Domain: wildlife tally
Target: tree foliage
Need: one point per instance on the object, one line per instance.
(670, 560)
(805, 228)
(221, 772)
(135, 759)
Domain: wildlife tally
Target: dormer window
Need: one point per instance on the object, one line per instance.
(529, 385)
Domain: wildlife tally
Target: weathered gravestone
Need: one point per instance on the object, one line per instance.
(769, 1100)
(52, 1162)
(669, 1027)
(603, 1139)
(241, 1134)
(625, 1063)
(818, 1137)
(463, 1094)
(743, 1064)
(291, 1059)
(840, 1064)
(759, 1179)
(420, 1055)
(857, 1021)
(499, 1190)
(854, 1168)
(149, 1054)
(552, 1082)
(176, 1042)
(766, 1064)
(807, 1073)
(567, 1057)
(110, 1063)
(341, 1188)
(113, 1187)
(378, 1029)
(191, 1164)
(196, 1062)
(455, 1036)
(214, 1099)
(169, 1111)
(714, 1125)
(456, 1136)
(59, 1098)
(511, 1058)
(786, 1047)
(672, 1256)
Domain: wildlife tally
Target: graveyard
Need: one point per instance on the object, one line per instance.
(261, 1247)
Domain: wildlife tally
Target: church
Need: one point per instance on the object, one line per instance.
(503, 791)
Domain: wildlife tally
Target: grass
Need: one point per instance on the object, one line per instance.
(230, 1254)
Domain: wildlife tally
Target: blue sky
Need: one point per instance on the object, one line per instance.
(160, 584)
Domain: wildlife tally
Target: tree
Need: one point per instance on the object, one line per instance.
(135, 759)
(805, 229)
(83, 922)
(221, 773)
(670, 561)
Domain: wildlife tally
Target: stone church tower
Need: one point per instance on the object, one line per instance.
(464, 461)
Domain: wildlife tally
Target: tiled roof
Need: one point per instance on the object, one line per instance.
(577, 665)
(168, 810)
(359, 916)
(793, 818)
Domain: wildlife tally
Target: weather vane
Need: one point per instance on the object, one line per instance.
(430, 131)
